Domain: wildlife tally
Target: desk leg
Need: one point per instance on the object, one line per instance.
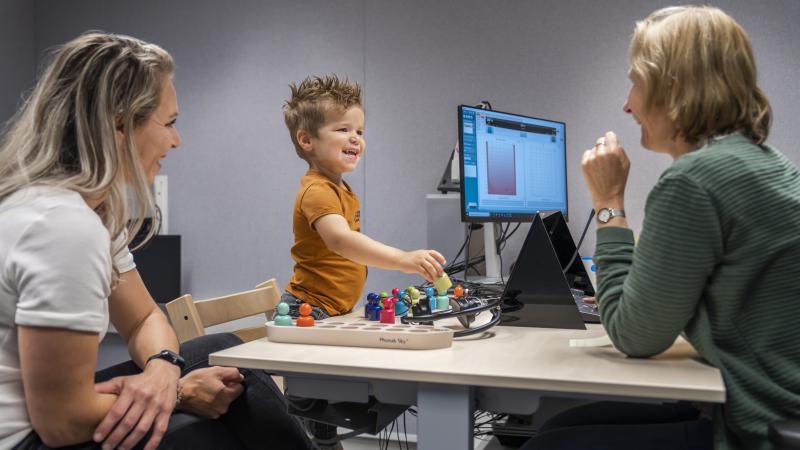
(444, 418)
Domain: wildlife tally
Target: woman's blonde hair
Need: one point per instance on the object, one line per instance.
(696, 64)
(64, 134)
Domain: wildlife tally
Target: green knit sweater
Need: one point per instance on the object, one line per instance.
(718, 259)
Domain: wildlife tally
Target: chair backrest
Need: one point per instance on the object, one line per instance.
(190, 318)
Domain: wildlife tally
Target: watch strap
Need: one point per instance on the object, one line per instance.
(168, 356)
(610, 213)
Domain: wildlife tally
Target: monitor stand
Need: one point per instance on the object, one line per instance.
(490, 252)
(450, 181)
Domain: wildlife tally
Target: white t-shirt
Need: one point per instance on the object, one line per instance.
(55, 271)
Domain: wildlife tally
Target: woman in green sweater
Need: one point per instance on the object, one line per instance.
(717, 257)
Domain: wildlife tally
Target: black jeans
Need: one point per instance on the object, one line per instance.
(621, 426)
(257, 419)
(294, 303)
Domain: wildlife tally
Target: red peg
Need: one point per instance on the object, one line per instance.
(387, 315)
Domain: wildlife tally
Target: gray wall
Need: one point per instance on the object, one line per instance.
(232, 183)
(17, 53)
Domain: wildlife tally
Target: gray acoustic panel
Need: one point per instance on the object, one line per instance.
(17, 53)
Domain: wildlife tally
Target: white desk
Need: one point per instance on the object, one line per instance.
(506, 372)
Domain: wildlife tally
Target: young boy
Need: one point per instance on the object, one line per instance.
(325, 118)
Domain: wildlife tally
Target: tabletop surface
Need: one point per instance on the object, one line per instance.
(504, 357)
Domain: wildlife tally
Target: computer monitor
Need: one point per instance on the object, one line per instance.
(511, 166)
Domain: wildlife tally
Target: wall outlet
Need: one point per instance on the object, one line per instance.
(160, 191)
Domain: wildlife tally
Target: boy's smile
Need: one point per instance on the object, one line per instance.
(338, 145)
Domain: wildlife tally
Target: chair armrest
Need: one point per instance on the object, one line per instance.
(785, 434)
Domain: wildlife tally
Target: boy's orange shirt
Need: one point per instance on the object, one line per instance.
(322, 277)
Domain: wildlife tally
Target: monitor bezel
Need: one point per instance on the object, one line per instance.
(512, 217)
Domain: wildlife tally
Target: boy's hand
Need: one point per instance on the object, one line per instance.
(427, 263)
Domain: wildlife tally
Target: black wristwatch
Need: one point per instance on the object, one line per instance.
(170, 357)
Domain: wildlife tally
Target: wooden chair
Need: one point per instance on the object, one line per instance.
(190, 318)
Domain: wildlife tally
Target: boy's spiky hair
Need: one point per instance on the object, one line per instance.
(312, 99)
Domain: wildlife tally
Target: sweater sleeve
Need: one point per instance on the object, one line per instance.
(647, 295)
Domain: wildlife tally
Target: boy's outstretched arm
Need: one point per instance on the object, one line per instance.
(362, 249)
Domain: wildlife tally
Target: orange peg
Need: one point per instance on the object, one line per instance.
(305, 319)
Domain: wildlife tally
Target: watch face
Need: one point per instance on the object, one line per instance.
(172, 357)
(604, 215)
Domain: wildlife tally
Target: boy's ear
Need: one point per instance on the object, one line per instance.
(304, 140)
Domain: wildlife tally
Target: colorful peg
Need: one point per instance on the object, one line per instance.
(401, 307)
(305, 319)
(413, 293)
(442, 302)
(442, 284)
(383, 295)
(372, 300)
(387, 315)
(429, 292)
(283, 319)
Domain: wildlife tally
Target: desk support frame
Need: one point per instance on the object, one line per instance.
(444, 417)
(448, 385)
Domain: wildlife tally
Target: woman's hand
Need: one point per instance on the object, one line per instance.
(605, 169)
(209, 392)
(427, 263)
(145, 401)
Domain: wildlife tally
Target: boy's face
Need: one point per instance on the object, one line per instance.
(338, 145)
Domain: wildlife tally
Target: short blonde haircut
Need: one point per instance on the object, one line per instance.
(313, 99)
(696, 64)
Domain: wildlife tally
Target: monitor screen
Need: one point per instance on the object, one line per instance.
(512, 166)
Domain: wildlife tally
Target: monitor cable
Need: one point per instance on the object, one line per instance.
(465, 244)
(476, 306)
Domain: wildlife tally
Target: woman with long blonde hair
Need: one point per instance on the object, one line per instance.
(76, 163)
